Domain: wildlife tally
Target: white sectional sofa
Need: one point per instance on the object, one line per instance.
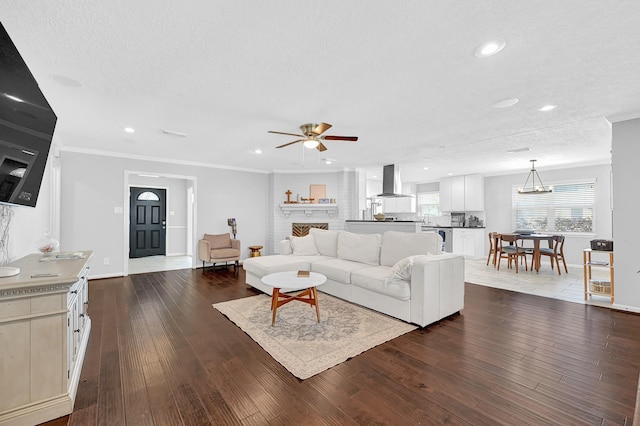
(404, 275)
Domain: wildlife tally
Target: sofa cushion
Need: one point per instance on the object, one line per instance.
(326, 241)
(304, 246)
(338, 270)
(224, 253)
(263, 265)
(399, 245)
(218, 241)
(373, 279)
(359, 248)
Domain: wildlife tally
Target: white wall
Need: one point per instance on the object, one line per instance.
(92, 186)
(29, 224)
(498, 204)
(626, 175)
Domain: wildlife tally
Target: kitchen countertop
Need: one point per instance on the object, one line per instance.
(385, 221)
(454, 227)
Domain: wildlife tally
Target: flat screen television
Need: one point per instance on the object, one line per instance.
(27, 123)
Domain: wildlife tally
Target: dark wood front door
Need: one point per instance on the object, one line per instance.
(147, 223)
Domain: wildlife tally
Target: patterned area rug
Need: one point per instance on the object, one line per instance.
(301, 344)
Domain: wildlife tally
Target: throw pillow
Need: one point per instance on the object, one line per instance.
(359, 248)
(303, 246)
(326, 241)
(401, 271)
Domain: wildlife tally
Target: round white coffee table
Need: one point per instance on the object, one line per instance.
(290, 281)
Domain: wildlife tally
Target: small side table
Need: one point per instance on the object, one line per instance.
(255, 251)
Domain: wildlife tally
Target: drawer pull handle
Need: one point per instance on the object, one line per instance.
(76, 331)
(74, 292)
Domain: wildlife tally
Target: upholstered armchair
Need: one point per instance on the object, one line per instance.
(219, 248)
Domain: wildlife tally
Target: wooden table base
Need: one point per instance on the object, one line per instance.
(278, 299)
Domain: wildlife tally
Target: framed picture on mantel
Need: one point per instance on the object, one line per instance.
(316, 192)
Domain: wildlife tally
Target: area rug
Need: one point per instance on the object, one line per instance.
(301, 344)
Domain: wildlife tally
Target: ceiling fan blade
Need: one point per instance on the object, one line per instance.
(340, 138)
(321, 128)
(321, 147)
(290, 143)
(283, 133)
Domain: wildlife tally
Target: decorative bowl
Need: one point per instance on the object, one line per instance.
(46, 246)
(379, 216)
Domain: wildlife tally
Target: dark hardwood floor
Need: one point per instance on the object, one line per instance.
(160, 354)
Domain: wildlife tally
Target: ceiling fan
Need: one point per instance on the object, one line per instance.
(311, 134)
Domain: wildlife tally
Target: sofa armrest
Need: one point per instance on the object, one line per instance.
(235, 244)
(437, 287)
(204, 250)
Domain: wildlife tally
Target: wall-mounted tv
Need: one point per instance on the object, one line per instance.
(27, 123)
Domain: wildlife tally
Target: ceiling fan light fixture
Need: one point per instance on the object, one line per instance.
(310, 143)
(534, 188)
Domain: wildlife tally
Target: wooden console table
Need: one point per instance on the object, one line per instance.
(44, 331)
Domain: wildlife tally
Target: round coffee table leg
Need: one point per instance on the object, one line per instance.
(274, 304)
(315, 297)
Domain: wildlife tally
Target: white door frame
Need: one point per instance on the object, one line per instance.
(191, 220)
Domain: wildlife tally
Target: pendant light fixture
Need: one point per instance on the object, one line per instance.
(534, 188)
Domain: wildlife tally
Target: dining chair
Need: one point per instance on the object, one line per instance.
(493, 242)
(556, 253)
(511, 251)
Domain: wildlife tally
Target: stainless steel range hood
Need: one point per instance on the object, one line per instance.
(391, 184)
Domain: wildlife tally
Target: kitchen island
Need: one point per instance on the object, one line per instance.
(380, 226)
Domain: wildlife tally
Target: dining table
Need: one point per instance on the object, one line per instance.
(536, 238)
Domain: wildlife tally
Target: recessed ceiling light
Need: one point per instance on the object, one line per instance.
(449, 174)
(328, 162)
(425, 168)
(505, 103)
(547, 108)
(13, 98)
(129, 129)
(489, 48)
(257, 151)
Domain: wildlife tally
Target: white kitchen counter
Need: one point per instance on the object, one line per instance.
(379, 227)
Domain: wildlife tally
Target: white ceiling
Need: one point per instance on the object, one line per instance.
(400, 75)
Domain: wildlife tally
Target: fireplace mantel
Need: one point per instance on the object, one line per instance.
(308, 209)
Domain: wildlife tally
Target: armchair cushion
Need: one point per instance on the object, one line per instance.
(218, 241)
(225, 253)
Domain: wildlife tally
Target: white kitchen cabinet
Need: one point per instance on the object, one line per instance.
(44, 331)
(469, 242)
(445, 194)
(462, 193)
(473, 193)
(457, 193)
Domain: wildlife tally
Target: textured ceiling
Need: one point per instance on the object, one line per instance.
(400, 75)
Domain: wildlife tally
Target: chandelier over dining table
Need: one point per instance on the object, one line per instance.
(530, 185)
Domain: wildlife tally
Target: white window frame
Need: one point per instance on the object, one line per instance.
(551, 209)
(418, 205)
